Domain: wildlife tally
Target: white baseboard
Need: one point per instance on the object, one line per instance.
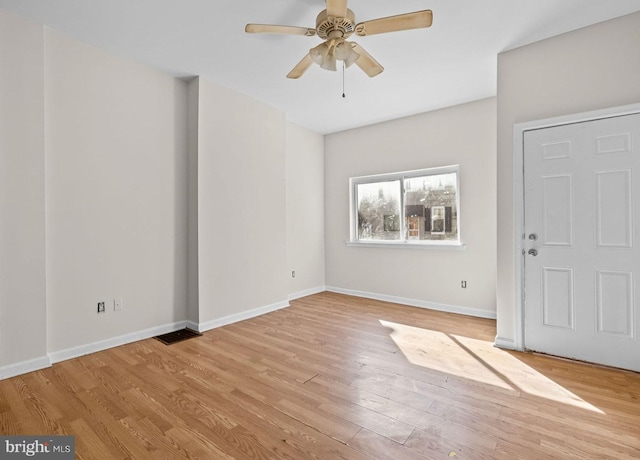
(215, 323)
(11, 370)
(82, 350)
(54, 357)
(417, 303)
(507, 344)
(306, 292)
(62, 355)
(192, 325)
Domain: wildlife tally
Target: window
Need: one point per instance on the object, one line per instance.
(415, 207)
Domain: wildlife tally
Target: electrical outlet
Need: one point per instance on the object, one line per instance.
(293, 273)
(117, 305)
(100, 307)
(463, 284)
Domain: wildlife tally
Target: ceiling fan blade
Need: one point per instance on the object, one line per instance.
(301, 67)
(274, 29)
(337, 8)
(366, 62)
(417, 20)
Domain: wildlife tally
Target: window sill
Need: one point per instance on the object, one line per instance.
(453, 246)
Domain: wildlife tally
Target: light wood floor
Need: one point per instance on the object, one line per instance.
(330, 377)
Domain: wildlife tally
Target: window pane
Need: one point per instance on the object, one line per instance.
(431, 209)
(379, 211)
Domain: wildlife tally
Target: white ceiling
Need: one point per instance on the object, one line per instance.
(452, 62)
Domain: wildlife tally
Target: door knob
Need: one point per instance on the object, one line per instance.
(533, 252)
(533, 237)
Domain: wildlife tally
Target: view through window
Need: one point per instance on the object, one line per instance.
(412, 207)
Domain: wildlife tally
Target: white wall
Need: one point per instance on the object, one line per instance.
(592, 68)
(117, 181)
(305, 210)
(241, 204)
(463, 135)
(22, 200)
(116, 184)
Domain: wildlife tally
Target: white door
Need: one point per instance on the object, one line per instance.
(581, 261)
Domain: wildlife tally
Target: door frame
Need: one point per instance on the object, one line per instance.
(519, 130)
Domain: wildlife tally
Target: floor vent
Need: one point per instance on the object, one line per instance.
(177, 336)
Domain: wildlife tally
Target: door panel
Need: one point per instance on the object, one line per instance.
(581, 260)
(557, 199)
(614, 303)
(613, 209)
(557, 298)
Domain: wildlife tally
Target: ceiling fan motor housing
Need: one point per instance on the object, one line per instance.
(332, 27)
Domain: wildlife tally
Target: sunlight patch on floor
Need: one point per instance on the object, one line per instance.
(477, 360)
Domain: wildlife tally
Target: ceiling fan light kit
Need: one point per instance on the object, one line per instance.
(326, 54)
(334, 25)
(345, 53)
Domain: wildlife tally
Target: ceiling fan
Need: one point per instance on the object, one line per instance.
(334, 25)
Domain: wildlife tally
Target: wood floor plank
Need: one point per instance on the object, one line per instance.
(333, 426)
(450, 433)
(406, 413)
(506, 450)
(383, 448)
(445, 445)
(88, 442)
(379, 423)
(331, 377)
(307, 440)
(105, 423)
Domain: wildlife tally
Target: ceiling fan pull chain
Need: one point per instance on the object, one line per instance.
(343, 95)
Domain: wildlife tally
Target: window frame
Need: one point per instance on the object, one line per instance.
(404, 241)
